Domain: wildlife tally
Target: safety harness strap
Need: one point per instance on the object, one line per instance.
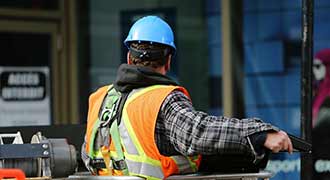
(119, 163)
(110, 117)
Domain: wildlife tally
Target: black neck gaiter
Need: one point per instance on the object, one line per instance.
(130, 77)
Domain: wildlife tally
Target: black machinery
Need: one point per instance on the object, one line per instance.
(41, 158)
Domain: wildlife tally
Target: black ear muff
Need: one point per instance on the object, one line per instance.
(149, 55)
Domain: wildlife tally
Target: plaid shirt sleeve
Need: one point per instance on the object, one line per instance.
(194, 132)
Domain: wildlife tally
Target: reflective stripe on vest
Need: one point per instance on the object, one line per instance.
(153, 164)
(183, 164)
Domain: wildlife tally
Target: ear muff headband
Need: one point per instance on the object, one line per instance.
(149, 55)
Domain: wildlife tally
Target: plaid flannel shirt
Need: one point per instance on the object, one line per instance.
(180, 129)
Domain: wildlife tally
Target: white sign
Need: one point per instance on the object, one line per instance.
(24, 96)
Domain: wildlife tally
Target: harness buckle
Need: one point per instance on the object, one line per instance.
(105, 117)
(98, 163)
(119, 164)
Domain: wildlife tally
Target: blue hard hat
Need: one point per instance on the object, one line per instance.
(151, 29)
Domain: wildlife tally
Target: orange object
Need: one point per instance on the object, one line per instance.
(141, 119)
(12, 173)
(95, 102)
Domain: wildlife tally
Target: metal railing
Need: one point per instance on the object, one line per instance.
(264, 175)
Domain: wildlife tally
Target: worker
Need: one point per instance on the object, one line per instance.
(321, 114)
(321, 86)
(144, 124)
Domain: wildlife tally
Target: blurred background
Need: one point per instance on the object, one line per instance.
(239, 58)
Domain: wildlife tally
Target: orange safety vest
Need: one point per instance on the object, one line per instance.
(137, 129)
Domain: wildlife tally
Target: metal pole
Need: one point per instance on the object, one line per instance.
(227, 59)
(232, 56)
(306, 85)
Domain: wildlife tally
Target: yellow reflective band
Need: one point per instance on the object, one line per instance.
(142, 159)
(125, 116)
(130, 149)
(128, 145)
(136, 142)
(138, 159)
(143, 91)
(145, 170)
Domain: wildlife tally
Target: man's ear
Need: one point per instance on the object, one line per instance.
(128, 59)
(168, 64)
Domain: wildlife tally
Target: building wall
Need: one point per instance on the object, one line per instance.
(191, 64)
(272, 55)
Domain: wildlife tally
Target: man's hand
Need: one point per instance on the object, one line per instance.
(278, 141)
